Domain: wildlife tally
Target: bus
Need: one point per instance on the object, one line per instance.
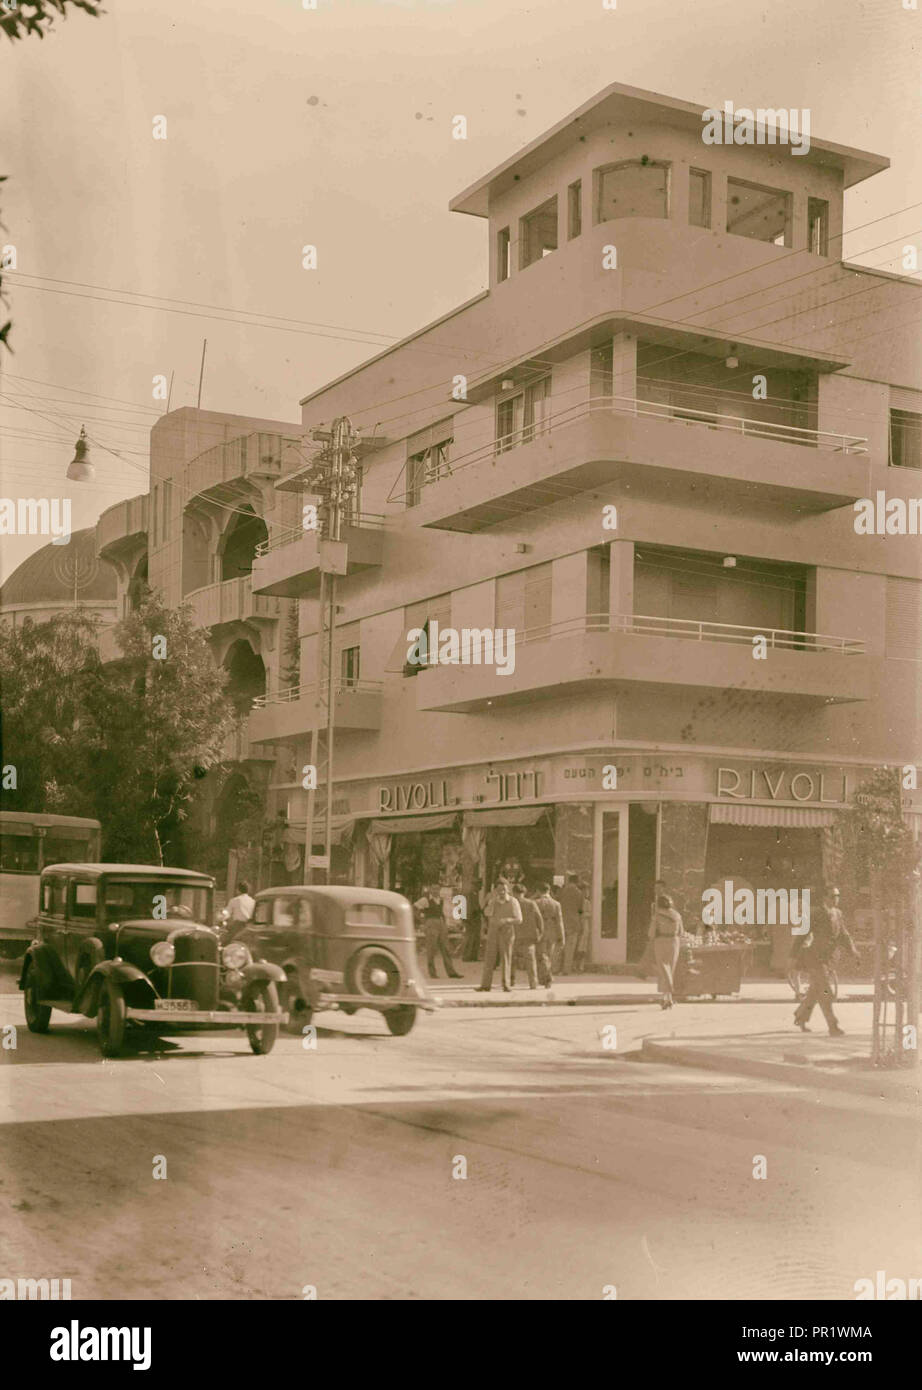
(29, 841)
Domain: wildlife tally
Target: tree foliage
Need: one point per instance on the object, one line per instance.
(158, 720)
(45, 670)
(24, 17)
(886, 853)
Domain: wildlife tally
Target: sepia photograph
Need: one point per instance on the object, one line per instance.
(460, 669)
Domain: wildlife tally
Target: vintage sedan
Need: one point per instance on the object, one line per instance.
(132, 946)
(340, 947)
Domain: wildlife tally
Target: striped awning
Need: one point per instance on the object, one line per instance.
(507, 815)
(793, 817)
(411, 825)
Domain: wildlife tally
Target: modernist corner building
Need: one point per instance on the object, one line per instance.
(640, 450)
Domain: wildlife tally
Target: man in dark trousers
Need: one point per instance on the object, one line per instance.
(436, 931)
(827, 936)
(528, 936)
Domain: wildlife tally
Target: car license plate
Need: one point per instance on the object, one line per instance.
(180, 1005)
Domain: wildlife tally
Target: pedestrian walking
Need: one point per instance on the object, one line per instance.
(503, 915)
(666, 935)
(572, 905)
(528, 937)
(435, 929)
(554, 938)
(826, 937)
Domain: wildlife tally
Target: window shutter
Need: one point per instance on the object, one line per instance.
(523, 599)
(904, 618)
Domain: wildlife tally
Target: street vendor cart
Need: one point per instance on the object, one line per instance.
(709, 969)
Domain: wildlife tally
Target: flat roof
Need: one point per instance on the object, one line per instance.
(620, 104)
(147, 870)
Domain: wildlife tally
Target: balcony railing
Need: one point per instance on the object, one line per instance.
(261, 453)
(316, 691)
(291, 534)
(827, 440)
(694, 629)
(230, 601)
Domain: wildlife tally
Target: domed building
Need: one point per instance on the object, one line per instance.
(59, 578)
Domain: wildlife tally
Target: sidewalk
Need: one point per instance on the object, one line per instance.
(595, 987)
(811, 1059)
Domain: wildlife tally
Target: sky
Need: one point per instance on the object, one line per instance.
(332, 127)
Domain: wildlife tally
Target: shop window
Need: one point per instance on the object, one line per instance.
(818, 226)
(503, 255)
(574, 209)
(523, 601)
(699, 198)
(763, 214)
(523, 416)
(428, 458)
(538, 233)
(635, 188)
(905, 439)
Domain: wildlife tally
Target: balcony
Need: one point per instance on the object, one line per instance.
(642, 445)
(595, 653)
(215, 472)
(288, 563)
(232, 601)
(123, 528)
(239, 747)
(288, 714)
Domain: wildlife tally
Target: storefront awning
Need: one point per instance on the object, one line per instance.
(411, 825)
(793, 817)
(513, 815)
(341, 829)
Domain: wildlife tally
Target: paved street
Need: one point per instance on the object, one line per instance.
(333, 1167)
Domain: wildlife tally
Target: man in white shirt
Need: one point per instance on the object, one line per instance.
(240, 909)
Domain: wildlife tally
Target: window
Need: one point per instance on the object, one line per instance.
(503, 255)
(521, 417)
(19, 854)
(601, 372)
(763, 214)
(818, 226)
(905, 439)
(428, 454)
(574, 209)
(523, 600)
(699, 198)
(636, 188)
(349, 666)
(287, 911)
(53, 896)
(82, 900)
(138, 899)
(538, 233)
(422, 615)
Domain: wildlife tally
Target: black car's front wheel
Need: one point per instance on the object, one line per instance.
(400, 1020)
(38, 1016)
(111, 1017)
(262, 998)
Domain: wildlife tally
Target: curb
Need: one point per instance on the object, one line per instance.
(801, 1072)
(543, 1003)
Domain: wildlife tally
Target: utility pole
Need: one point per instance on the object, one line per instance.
(333, 478)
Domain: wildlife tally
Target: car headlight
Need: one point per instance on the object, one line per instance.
(162, 952)
(235, 956)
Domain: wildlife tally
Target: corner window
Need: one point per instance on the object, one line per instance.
(422, 615)
(428, 455)
(503, 255)
(538, 233)
(635, 188)
(699, 198)
(520, 417)
(762, 214)
(574, 209)
(818, 226)
(905, 439)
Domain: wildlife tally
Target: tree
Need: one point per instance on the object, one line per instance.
(158, 719)
(18, 18)
(46, 670)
